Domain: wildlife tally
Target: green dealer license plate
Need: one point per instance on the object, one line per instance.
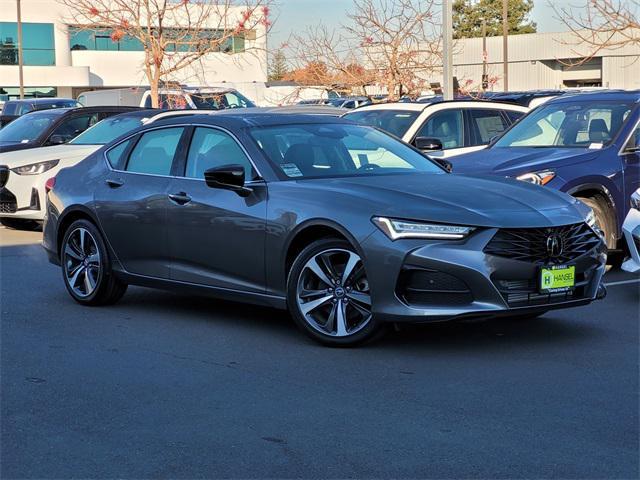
(557, 278)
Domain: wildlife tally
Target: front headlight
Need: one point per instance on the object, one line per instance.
(395, 229)
(635, 200)
(537, 178)
(35, 168)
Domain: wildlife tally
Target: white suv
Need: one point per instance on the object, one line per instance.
(441, 128)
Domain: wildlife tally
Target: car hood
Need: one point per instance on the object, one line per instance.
(64, 153)
(12, 146)
(516, 160)
(457, 199)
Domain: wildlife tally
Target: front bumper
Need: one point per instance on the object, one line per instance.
(631, 231)
(21, 196)
(467, 281)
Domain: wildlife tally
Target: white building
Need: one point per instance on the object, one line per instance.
(60, 60)
(548, 61)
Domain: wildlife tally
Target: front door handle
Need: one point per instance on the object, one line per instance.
(114, 182)
(180, 198)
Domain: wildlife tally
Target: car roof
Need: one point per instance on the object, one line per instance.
(612, 95)
(42, 100)
(95, 109)
(419, 107)
(254, 117)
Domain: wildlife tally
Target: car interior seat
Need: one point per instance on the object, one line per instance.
(598, 131)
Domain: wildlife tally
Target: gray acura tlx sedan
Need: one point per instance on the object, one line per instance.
(342, 224)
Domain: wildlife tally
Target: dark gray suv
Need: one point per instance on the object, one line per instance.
(342, 224)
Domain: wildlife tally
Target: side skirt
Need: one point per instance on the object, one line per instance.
(205, 290)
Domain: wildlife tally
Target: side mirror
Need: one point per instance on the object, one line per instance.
(57, 139)
(227, 177)
(425, 143)
(446, 164)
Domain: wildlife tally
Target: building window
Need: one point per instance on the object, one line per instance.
(37, 44)
(100, 40)
(13, 93)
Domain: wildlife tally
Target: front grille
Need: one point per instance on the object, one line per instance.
(525, 293)
(417, 286)
(4, 175)
(8, 202)
(531, 244)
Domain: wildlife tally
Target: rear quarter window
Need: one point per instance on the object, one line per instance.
(116, 156)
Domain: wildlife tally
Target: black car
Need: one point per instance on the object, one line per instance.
(53, 127)
(16, 108)
(343, 224)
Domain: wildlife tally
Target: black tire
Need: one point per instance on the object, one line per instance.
(369, 330)
(20, 223)
(107, 288)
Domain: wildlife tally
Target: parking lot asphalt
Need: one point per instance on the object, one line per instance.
(170, 386)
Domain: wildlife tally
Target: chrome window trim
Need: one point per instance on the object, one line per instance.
(260, 178)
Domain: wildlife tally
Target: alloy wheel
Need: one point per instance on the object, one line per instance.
(333, 293)
(82, 263)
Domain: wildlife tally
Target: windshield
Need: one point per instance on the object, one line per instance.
(107, 130)
(396, 122)
(329, 150)
(27, 128)
(218, 101)
(592, 125)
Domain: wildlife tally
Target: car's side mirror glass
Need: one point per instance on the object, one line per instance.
(57, 139)
(227, 177)
(426, 143)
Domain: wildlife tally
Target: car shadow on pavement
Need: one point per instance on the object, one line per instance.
(447, 335)
(481, 334)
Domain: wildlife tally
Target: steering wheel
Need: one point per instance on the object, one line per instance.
(368, 167)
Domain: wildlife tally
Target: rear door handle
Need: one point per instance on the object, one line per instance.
(114, 182)
(180, 198)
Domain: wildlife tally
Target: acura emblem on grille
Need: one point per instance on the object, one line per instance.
(555, 245)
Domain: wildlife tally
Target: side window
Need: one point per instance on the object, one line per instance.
(513, 116)
(633, 145)
(486, 124)
(74, 126)
(154, 152)
(446, 126)
(116, 157)
(213, 148)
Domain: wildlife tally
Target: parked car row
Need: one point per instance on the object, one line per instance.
(346, 222)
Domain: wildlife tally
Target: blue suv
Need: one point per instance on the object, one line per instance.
(587, 145)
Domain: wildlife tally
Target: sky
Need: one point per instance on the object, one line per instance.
(296, 15)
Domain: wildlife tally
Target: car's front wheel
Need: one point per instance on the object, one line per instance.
(86, 268)
(328, 294)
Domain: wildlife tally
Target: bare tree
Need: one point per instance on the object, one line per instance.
(394, 43)
(603, 24)
(174, 34)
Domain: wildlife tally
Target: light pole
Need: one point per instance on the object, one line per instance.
(505, 44)
(20, 59)
(447, 50)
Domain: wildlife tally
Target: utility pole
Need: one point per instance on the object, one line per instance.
(485, 56)
(447, 50)
(20, 59)
(505, 44)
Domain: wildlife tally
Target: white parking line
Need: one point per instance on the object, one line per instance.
(622, 282)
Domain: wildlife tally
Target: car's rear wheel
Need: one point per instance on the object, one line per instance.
(328, 294)
(20, 223)
(86, 268)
